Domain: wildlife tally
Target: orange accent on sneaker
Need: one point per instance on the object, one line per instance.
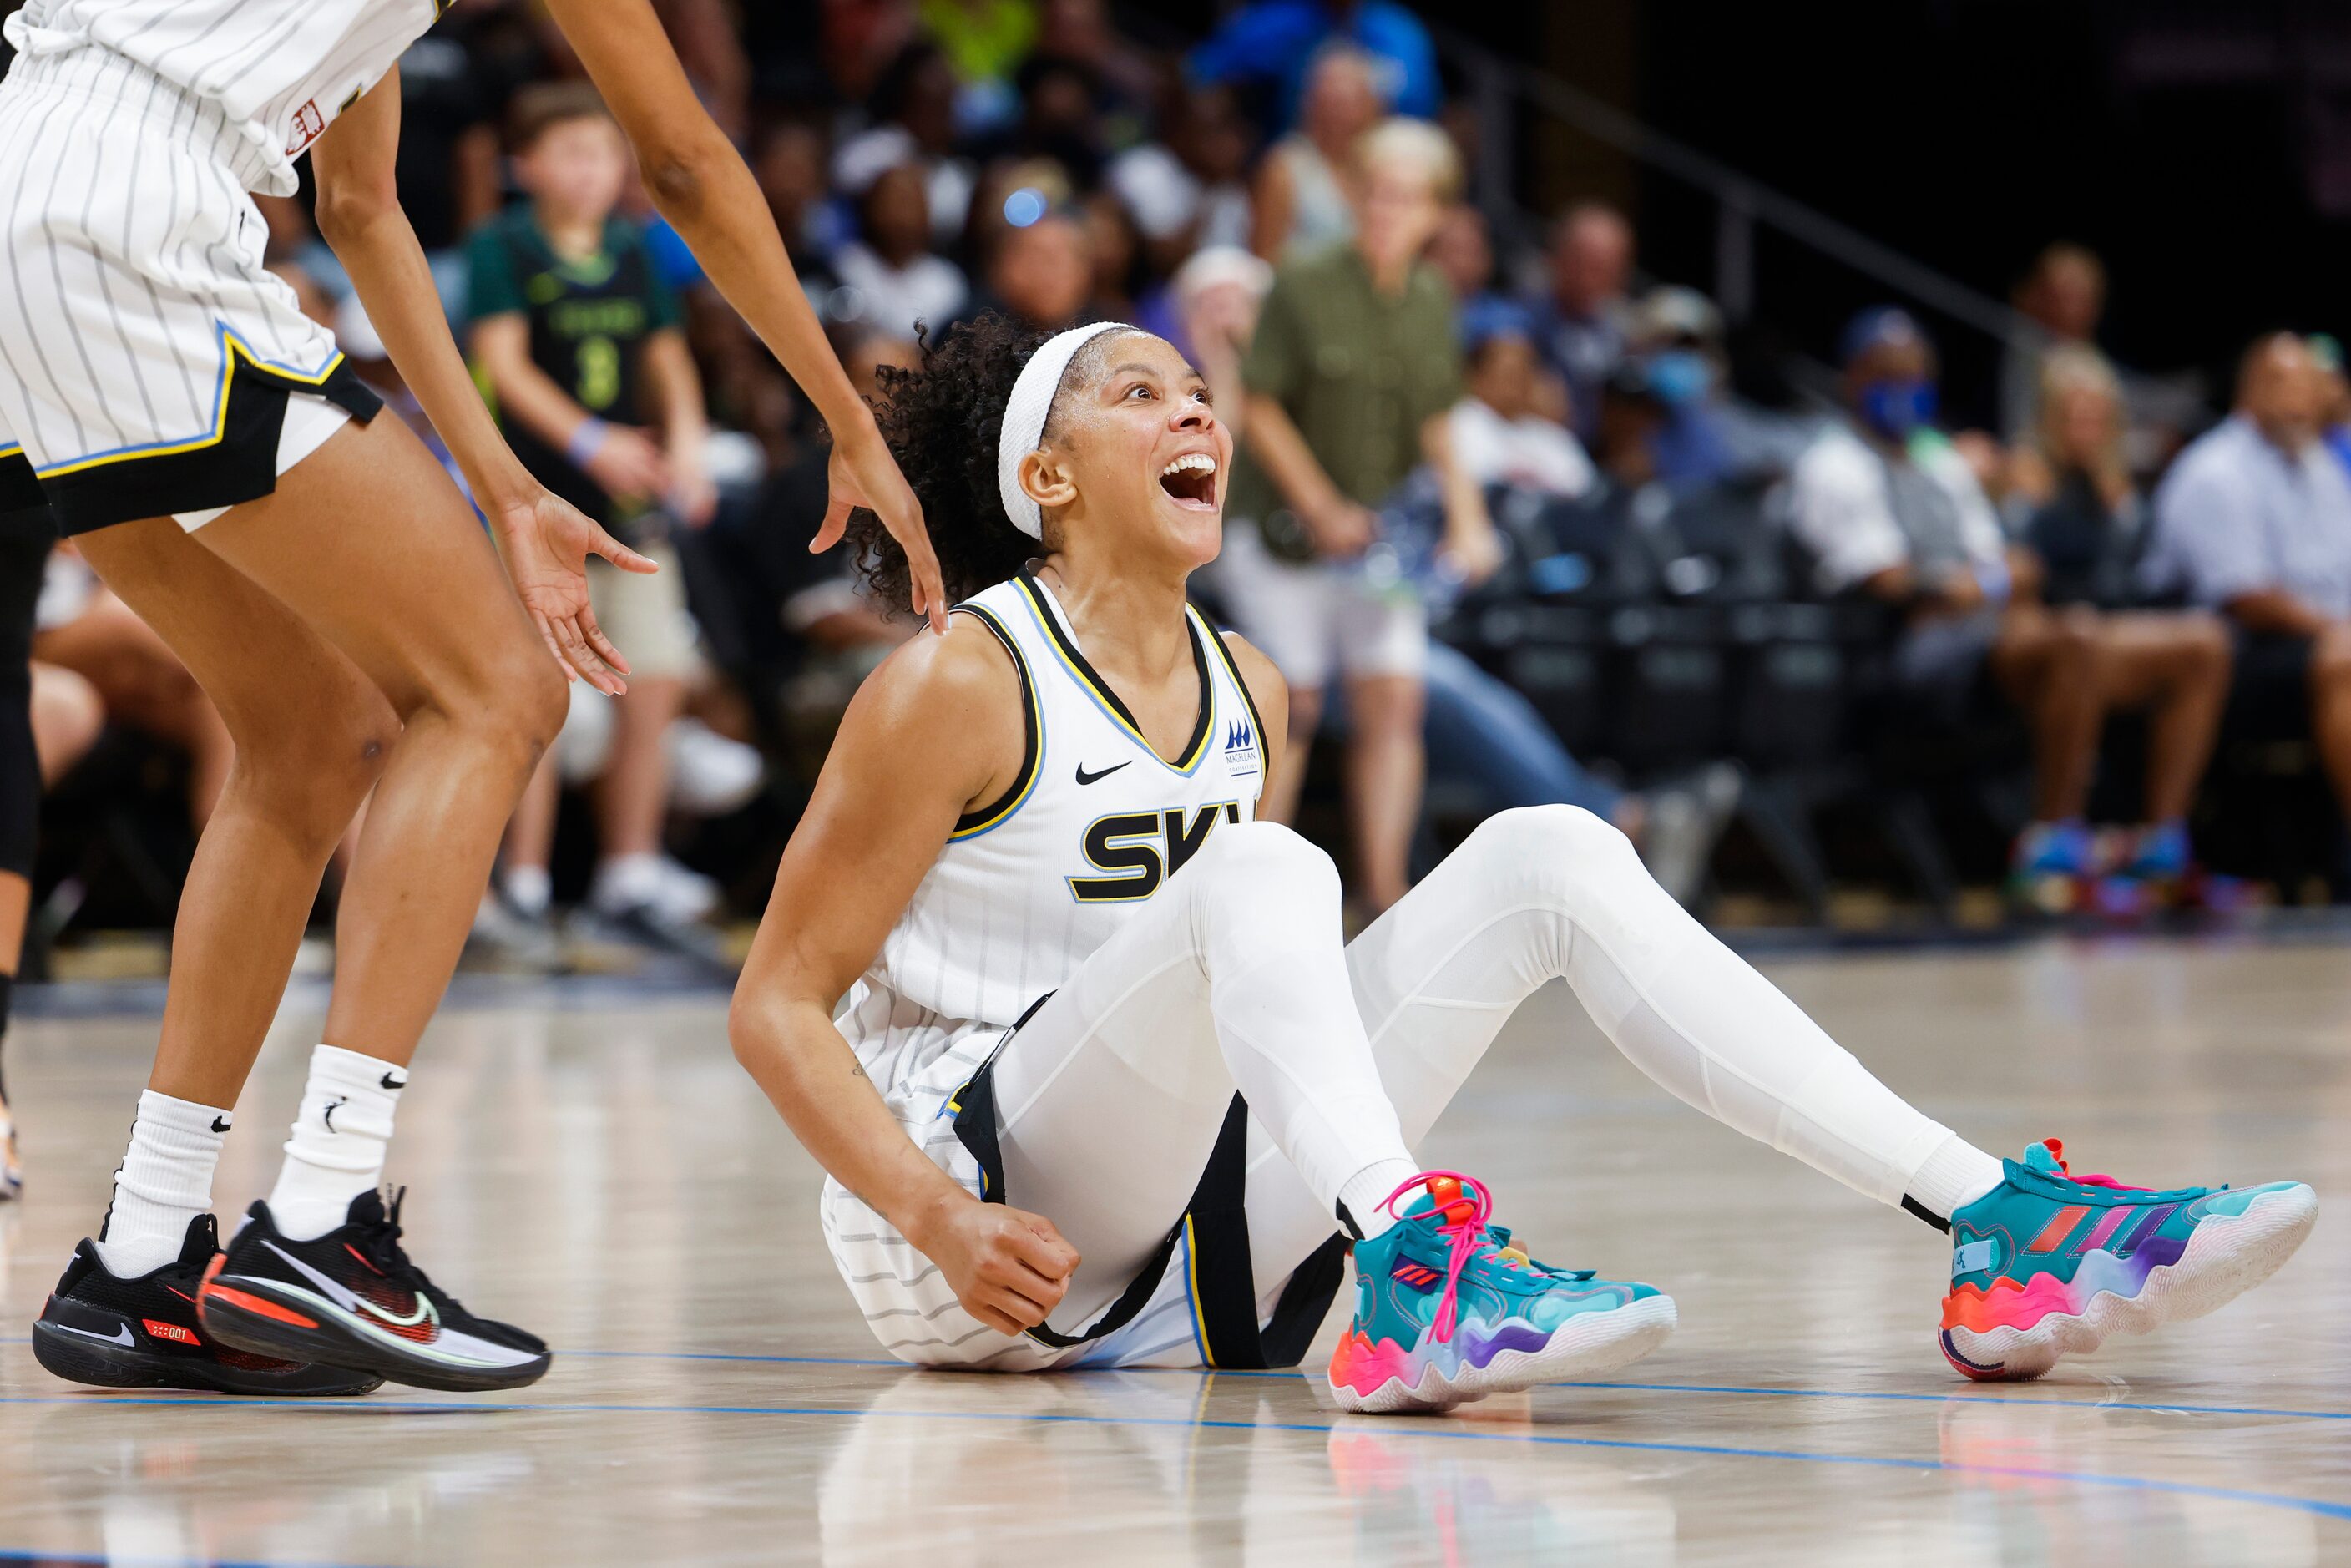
(1445, 1193)
(173, 1332)
(218, 1293)
(2061, 1225)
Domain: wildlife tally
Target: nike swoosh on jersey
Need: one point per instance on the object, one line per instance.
(1086, 778)
(390, 1083)
(121, 1334)
(349, 1300)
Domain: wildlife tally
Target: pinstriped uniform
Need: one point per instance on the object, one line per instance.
(146, 356)
(1024, 889)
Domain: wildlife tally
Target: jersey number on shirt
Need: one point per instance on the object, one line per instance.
(600, 372)
(1143, 848)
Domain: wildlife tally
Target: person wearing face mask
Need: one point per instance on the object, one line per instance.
(1707, 434)
(1887, 508)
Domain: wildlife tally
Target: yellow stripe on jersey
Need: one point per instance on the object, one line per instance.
(1032, 764)
(1108, 701)
(233, 348)
(1192, 1282)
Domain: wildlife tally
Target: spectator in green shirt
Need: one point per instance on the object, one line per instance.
(1347, 385)
(581, 345)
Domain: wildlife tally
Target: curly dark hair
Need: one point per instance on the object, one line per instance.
(942, 420)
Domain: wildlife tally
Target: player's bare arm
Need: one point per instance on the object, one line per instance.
(875, 826)
(546, 543)
(701, 185)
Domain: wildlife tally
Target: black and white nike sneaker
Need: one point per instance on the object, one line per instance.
(144, 1333)
(352, 1298)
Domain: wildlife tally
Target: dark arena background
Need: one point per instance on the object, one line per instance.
(1912, 451)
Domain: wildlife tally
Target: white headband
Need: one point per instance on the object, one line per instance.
(1024, 418)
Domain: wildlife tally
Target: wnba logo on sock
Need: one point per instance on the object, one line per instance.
(1240, 748)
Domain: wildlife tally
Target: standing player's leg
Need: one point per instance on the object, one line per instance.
(398, 658)
(310, 732)
(1555, 893)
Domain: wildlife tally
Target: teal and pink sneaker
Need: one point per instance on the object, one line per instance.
(2046, 1264)
(1447, 1310)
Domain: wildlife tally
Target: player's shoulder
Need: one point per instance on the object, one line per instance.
(946, 678)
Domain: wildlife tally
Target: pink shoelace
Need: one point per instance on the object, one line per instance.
(2056, 1147)
(1464, 1203)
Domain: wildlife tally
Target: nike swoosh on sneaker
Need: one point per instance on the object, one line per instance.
(349, 1300)
(121, 1334)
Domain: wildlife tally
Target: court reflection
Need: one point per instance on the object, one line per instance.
(2012, 1456)
(214, 1485)
(963, 1470)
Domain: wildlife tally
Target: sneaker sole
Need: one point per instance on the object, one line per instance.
(252, 1315)
(2227, 1256)
(1586, 1346)
(77, 1359)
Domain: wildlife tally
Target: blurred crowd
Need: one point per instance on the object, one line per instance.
(1472, 442)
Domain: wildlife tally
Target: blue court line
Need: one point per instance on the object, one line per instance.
(2167, 1408)
(2153, 1407)
(2317, 1506)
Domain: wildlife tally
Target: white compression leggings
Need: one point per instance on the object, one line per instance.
(1111, 1097)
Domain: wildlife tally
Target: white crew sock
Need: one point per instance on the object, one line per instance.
(1955, 1176)
(165, 1181)
(1362, 1194)
(337, 1150)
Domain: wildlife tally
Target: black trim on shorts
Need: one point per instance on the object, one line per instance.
(1224, 1281)
(239, 466)
(19, 491)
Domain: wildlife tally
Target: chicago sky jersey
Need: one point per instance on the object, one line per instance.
(1022, 894)
(1097, 822)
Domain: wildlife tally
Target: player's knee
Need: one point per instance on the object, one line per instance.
(316, 770)
(521, 699)
(1559, 845)
(1260, 858)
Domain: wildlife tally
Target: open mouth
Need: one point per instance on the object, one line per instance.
(1191, 479)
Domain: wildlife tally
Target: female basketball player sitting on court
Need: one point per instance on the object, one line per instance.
(1030, 865)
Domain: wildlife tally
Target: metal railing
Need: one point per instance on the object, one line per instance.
(1498, 85)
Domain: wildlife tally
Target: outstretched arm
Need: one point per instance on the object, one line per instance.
(700, 185)
(873, 828)
(546, 543)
